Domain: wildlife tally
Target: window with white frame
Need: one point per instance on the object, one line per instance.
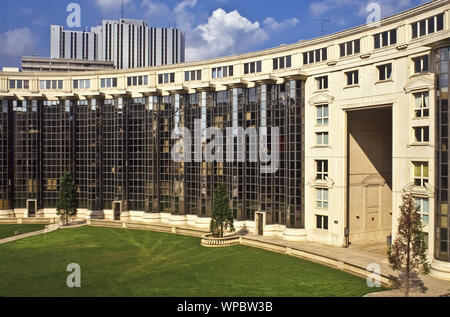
(322, 222)
(321, 169)
(50, 84)
(108, 82)
(322, 114)
(137, 80)
(253, 67)
(385, 38)
(167, 78)
(421, 64)
(193, 75)
(322, 198)
(420, 173)
(421, 105)
(322, 138)
(421, 134)
(220, 72)
(19, 84)
(423, 206)
(384, 72)
(427, 26)
(82, 84)
(322, 82)
(352, 77)
(315, 56)
(349, 48)
(282, 62)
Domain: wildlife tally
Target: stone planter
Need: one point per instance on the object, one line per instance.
(211, 242)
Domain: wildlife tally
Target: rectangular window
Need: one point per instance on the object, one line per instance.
(428, 26)
(137, 80)
(440, 22)
(322, 222)
(315, 56)
(421, 105)
(322, 82)
(421, 64)
(322, 138)
(385, 38)
(352, 78)
(253, 67)
(420, 173)
(275, 63)
(12, 84)
(282, 62)
(423, 206)
(421, 134)
(415, 32)
(220, 72)
(321, 169)
(322, 115)
(384, 72)
(393, 37)
(349, 48)
(288, 61)
(322, 198)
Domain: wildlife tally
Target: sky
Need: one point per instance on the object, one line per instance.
(213, 28)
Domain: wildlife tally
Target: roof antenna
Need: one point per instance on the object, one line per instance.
(122, 9)
(323, 21)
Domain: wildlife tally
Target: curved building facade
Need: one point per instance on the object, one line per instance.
(356, 119)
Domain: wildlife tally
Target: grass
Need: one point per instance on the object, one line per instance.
(120, 262)
(9, 230)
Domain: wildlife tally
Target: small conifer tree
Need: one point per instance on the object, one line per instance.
(66, 205)
(408, 254)
(222, 216)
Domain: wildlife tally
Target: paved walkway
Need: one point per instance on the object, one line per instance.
(363, 255)
(22, 236)
(48, 228)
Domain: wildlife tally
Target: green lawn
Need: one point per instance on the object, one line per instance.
(9, 230)
(120, 262)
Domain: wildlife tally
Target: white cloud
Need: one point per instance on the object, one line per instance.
(155, 9)
(275, 25)
(180, 7)
(16, 43)
(110, 5)
(388, 7)
(224, 34)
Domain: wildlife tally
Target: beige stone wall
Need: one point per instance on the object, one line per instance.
(368, 93)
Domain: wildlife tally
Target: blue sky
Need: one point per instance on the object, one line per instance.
(213, 27)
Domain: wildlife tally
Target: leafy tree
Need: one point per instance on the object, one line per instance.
(408, 253)
(66, 205)
(222, 216)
